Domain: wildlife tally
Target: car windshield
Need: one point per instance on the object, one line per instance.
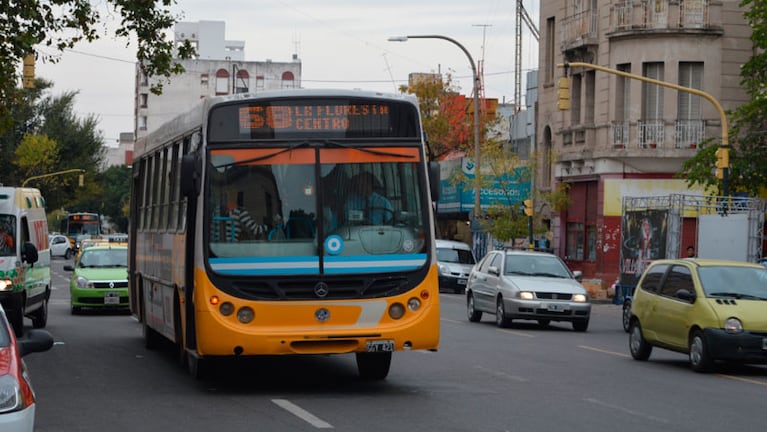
(536, 265)
(459, 256)
(738, 282)
(104, 258)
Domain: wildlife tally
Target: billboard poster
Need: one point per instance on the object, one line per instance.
(459, 197)
(644, 240)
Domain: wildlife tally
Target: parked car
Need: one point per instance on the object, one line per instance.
(100, 278)
(60, 246)
(527, 285)
(17, 399)
(708, 309)
(455, 260)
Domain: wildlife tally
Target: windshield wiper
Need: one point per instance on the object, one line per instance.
(543, 274)
(366, 150)
(269, 156)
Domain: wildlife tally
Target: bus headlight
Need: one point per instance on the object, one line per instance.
(226, 308)
(414, 304)
(396, 311)
(245, 315)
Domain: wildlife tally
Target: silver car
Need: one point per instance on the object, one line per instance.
(526, 285)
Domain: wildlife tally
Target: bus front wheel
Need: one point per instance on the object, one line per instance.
(373, 366)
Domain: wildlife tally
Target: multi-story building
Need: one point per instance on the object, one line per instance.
(219, 69)
(622, 136)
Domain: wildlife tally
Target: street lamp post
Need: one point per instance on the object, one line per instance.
(477, 205)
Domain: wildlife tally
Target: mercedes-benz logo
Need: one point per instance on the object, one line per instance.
(322, 314)
(321, 290)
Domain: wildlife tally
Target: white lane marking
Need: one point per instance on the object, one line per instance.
(626, 410)
(502, 374)
(590, 348)
(302, 414)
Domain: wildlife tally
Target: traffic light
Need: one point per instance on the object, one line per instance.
(722, 161)
(528, 207)
(28, 72)
(564, 94)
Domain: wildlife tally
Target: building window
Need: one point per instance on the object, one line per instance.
(204, 80)
(652, 94)
(575, 99)
(241, 81)
(259, 81)
(143, 98)
(549, 53)
(222, 82)
(288, 80)
(590, 105)
(575, 241)
(142, 122)
(581, 235)
(690, 75)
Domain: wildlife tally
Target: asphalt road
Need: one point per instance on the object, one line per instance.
(99, 377)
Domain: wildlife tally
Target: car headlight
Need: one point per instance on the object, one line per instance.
(526, 295)
(579, 298)
(83, 282)
(733, 325)
(6, 284)
(11, 398)
(444, 270)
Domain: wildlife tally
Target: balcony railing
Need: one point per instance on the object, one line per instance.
(578, 29)
(660, 14)
(620, 134)
(689, 133)
(650, 133)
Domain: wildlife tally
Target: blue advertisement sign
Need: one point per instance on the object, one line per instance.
(459, 196)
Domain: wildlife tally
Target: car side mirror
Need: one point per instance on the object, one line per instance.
(686, 295)
(494, 270)
(578, 275)
(29, 253)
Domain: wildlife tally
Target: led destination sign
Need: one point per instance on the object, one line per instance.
(280, 119)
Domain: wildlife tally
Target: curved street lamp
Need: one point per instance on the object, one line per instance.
(477, 205)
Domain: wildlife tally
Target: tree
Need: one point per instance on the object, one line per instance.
(36, 155)
(444, 114)
(64, 23)
(748, 134)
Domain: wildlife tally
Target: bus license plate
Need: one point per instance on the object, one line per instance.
(111, 298)
(380, 346)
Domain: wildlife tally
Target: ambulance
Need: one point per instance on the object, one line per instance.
(25, 258)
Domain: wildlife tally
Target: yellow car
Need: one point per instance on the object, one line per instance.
(711, 310)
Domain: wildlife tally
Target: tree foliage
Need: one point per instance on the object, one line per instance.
(36, 155)
(748, 132)
(64, 23)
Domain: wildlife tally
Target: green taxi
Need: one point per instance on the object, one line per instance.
(100, 278)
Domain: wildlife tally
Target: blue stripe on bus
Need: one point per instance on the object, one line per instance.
(310, 265)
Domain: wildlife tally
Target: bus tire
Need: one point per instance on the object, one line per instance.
(152, 338)
(373, 366)
(198, 367)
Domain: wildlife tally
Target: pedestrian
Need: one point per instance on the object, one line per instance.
(690, 252)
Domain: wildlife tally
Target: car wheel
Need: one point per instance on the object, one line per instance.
(581, 325)
(700, 358)
(474, 314)
(626, 317)
(544, 322)
(501, 320)
(75, 310)
(68, 254)
(638, 346)
(40, 316)
(373, 366)
(16, 319)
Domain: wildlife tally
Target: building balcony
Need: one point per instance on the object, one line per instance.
(663, 16)
(579, 30)
(652, 134)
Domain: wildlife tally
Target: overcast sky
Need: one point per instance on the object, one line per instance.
(341, 44)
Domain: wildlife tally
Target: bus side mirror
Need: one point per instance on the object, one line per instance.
(191, 175)
(434, 180)
(29, 253)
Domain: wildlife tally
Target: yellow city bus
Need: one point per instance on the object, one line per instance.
(244, 241)
(79, 226)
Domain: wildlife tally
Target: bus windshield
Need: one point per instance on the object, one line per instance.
(314, 210)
